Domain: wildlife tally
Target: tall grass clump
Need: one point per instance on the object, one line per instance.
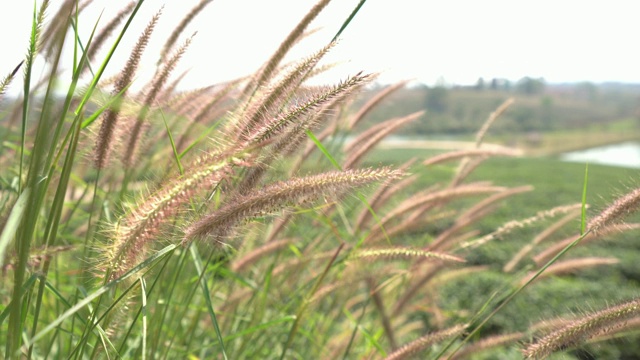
(255, 219)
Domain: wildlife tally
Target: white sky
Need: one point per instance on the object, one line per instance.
(459, 40)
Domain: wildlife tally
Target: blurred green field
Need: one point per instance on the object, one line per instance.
(556, 183)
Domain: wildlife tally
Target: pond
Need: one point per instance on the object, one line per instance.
(625, 154)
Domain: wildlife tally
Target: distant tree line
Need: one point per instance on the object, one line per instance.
(539, 106)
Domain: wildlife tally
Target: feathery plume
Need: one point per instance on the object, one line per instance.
(518, 224)
(554, 249)
(402, 252)
(617, 211)
(156, 85)
(510, 266)
(58, 24)
(579, 331)
(419, 201)
(180, 28)
(266, 73)
(486, 343)
(492, 118)
(412, 348)
(281, 91)
(366, 141)
(475, 213)
(108, 29)
(571, 266)
(369, 105)
(110, 118)
(275, 127)
(466, 165)
(7, 79)
(142, 224)
(452, 155)
(279, 195)
(250, 258)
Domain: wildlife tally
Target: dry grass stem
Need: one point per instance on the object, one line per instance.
(571, 216)
(473, 214)
(427, 273)
(366, 141)
(382, 313)
(453, 155)
(519, 224)
(384, 192)
(485, 344)
(253, 256)
(375, 100)
(407, 351)
(571, 266)
(447, 194)
(492, 118)
(554, 249)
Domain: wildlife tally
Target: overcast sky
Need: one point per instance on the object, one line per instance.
(459, 41)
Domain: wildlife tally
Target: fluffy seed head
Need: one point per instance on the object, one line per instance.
(279, 195)
(614, 213)
(577, 332)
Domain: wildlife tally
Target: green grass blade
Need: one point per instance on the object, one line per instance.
(583, 234)
(371, 339)
(173, 144)
(518, 290)
(11, 227)
(88, 121)
(105, 62)
(27, 88)
(53, 220)
(60, 297)
(583, 214)
(26, 229)
(376, 218)
(348, 21)
(86, 301)
(27, 285)
(203, 136)
(263, 326)
(207, 296)
(305, 302)
(357, 325)
(143, 297)
(323, 149)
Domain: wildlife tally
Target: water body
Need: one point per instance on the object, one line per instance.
(625, 154)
